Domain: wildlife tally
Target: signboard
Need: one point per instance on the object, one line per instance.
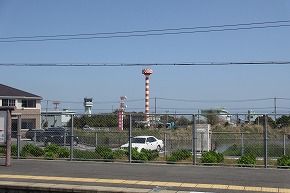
(3, 115)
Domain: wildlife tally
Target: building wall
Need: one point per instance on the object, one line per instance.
(29, 114)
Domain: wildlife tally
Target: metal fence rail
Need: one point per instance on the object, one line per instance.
(185, 138)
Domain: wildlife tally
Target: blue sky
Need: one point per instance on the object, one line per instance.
(235, 87)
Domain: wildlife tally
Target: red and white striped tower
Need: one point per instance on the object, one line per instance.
(121, 112)
(147, 72)
(56, 104)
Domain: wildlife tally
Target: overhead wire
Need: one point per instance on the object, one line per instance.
(215, 101)
(257, 108)
(153, 32)
(145, 31)
(143, 64)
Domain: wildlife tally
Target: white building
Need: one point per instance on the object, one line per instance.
(223, 114)
(56, 118)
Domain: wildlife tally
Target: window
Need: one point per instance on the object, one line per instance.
(29, 103)
(138, 140)
(151, 139)
(28, 123)
(8, 102)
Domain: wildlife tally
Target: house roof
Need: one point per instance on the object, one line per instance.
(7, 91)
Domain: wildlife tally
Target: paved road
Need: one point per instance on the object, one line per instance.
(154, 177)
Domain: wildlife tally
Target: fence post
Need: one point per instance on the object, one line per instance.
(202, 141)
(96, 139)
(8, 139)
(130, 139)
(18, 135)
(284, 144)
(165, 145)
(72, 138)
(194, 141)
(265, 142)
(243, 144)
(34, 137)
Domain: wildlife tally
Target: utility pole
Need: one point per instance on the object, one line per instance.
(275, 109)
(155, 111)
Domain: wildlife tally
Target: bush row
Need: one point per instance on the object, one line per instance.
(275, 150)
(54, 151)
(30, 150)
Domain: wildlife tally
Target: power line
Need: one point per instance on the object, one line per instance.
(148, 64)
(143, 33)
(95, 102)
(216, 101)
(176, 100)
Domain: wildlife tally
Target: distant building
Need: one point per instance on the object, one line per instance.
(56, 118)
(220, 112)
(88, 104)
(251, 117)
(27, 105)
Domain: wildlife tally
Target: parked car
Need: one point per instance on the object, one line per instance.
(59, 136)
(145, 142)
(87, 128)
(35, 134)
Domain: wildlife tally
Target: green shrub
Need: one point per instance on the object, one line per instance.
(49, 155)
(212, 157)
(247, 159)
(84, 154)
(52, 148)
(283, 161)
(2, 150)
(31, 150)
(234, 150)
(63, 152)
(54, 151)
(180, 154)
(119, 154)
(144, 155)
(172, 159)
(138, 155)
(150, 154)
(14, 150)
(256, 149)
(104, 153)
(220, 157)
(209, 158)
(81, 154)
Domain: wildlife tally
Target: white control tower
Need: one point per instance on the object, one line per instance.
(88, 104)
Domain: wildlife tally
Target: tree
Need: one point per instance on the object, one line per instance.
(260, 120)
(212, 118)
(101, 120)
(283, 121)
(183, 121)
(167, 118)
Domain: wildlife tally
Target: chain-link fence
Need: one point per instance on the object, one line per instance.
(255, 140)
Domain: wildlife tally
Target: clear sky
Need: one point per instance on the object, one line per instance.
(180, 89)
